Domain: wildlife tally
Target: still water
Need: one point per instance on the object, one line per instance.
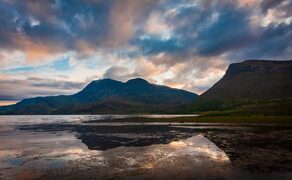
(89, 147)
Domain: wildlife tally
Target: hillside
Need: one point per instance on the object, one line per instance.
(250, 87)
(107, 96)
(253, 79)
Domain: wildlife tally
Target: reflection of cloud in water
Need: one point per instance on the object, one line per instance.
(23, 151)
(54, 152)
(59, 146)
(177, 158)
(199, 145)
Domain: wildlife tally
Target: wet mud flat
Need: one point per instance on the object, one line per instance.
(179, 150)
(259, 149)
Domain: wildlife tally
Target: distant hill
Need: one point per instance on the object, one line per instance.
(251, 87)
(108, 96)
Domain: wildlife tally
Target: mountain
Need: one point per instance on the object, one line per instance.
(254, 79)
(107, 96)
(252, 86)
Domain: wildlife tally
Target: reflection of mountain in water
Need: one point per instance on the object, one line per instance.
(248, 146)
(50, 154)
(103, 137)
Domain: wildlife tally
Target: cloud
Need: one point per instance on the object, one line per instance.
(124, 17)
(193, 74)
(267, 4)
(225, 27)
(249, 3)
(32, 87)
(154, 45)
(43, 28)
(184, 44)
(156, 25)
(118, 73)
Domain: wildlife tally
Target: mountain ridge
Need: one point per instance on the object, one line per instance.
(249, 87)
(253, 79)
(253, 87)
(107, 96)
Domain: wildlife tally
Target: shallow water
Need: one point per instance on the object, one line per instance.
(71, 147)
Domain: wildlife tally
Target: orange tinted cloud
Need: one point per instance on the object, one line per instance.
(38, 51)
(6, 103)
(249, 3)
(85, 48)
(124, 17)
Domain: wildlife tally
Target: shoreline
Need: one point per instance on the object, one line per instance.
(204, 119)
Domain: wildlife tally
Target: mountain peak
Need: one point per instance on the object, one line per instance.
(138, 81)
(102, 83)
(105, 80)
(108, 96)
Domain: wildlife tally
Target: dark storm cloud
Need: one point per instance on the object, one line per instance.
(230, 31)
(62, 25)
(208, 27)
(53, 23)
(154, 45)
(267, 4)
(273, 43)
(222, 27)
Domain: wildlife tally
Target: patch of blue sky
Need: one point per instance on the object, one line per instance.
(94, 63)
(18, 69)
(127, 52)
(61, 65)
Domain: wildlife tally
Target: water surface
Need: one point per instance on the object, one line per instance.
(66, 147)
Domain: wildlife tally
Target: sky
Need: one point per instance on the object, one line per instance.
(53, 47)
